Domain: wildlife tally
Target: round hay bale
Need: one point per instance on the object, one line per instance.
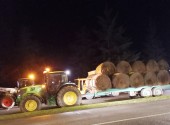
(139, 66)
(152, 66)
(108, 68)
(120, 80)
(163, 65)
(124, 67)
(136, 80)
(150, 78)
(102, 82)
(99, 69)
(163, 77)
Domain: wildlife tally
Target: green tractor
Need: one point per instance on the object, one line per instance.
(56, 90)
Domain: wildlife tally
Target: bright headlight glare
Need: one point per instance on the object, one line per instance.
(43, 86)
(67, 72)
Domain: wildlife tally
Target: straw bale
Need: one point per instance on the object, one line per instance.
(163, 64)
(150, 78)
(99, 69)
(124, 67)
(120, 80)
(152, 66)
(163, 77)
(100, 82)
(108, 68)
(139, 66)
(136, 80)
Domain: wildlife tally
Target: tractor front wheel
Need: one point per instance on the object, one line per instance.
(30, 103)
(68, 96)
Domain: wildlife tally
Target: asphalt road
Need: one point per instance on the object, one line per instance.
(151, 113)
(84, 102)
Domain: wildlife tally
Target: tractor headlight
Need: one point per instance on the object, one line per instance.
(43, 86)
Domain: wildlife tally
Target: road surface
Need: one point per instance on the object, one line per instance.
(150, 113)
(84, 102)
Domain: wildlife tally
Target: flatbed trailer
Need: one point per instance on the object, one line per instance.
(142, 91)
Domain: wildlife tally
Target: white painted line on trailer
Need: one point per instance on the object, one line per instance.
(132, 119)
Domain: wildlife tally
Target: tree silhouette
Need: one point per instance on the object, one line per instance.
(154, 46)
(107, 42)
(83, 53)
(112, 42)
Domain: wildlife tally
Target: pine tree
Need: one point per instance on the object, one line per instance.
(112, 42)
(154, 47)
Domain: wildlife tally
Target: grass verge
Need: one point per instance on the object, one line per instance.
(81, 107)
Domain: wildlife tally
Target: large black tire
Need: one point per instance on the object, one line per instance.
(69, 96)
(30, 103)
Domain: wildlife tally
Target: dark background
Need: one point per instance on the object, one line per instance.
(73, 34)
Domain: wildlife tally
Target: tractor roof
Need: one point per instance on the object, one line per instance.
(56, 72)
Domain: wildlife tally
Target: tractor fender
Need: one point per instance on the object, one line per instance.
(33, 94)
(66, 84)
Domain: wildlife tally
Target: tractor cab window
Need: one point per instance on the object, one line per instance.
(54, 81)
(57, 78)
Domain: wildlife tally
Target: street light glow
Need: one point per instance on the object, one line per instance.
(31, 76)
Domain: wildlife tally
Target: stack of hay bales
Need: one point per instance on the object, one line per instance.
(101, 79)
(121, 78)
(138, 69)
(163, 76)
(157, 73)
(107, 75)
(152, 68)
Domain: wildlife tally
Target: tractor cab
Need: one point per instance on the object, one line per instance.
(54, 80)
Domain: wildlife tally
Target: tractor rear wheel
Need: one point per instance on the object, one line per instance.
(30, 103)
(7, 102)
(68, 96)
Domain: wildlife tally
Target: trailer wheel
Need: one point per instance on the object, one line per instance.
(156, 91)
(89, 96)
(68, 96)
(145, 92)
(30, 103)
(132, 94)
(7, 102)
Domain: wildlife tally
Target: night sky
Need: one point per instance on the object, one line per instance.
(39, 33)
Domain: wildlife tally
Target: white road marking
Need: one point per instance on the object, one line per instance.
(132, 119)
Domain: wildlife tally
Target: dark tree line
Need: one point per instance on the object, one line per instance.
(22, 52)
(108, 42)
